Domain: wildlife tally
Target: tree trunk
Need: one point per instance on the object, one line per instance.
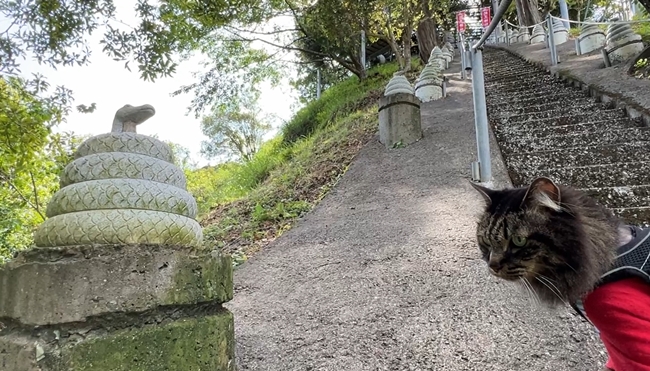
(426, 32)
(530, 14)
(426, 38)
(520, 13)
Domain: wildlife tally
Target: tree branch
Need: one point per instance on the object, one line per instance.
(21, 195)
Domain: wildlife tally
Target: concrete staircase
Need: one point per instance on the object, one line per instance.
(545, 127)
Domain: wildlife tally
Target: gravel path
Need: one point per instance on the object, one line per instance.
(385, 275)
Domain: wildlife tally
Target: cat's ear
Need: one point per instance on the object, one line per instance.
(543, 191)
(485, 192)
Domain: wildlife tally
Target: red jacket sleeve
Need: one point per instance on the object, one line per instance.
(621, 312)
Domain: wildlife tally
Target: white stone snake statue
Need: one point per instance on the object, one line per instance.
(121, 188)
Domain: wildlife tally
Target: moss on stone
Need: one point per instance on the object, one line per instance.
(191, 344)
(203, 278)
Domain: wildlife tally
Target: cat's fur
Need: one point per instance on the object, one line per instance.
(570, 239)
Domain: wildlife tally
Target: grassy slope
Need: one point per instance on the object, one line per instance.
(256, 202)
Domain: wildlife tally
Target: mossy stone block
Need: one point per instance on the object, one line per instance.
(190, 344)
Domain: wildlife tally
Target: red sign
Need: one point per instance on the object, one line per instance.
(485, 16)
(460, 21)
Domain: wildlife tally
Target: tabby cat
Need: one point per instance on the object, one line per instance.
(554, 239)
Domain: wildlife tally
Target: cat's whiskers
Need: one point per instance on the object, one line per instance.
(549, 285)
(531, 289)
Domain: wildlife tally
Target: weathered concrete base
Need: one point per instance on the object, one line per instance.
(399, 120)
(133, 307)
(196, 343)
(428, 92)
(537, 39)
(62, 285)
(591, 42)
(560, 37)
(626, 52)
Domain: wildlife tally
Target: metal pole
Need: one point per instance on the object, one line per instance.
(495, 6)
(318, 87)
(363, 49)
(461, 51)
(507, 35)
(564, 12)
(480, 116)
(551, 41)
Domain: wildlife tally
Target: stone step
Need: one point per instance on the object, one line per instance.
(634, 215)
(571, 118)
(530, 107)
(530, 87)
(491, 71)
(533, 98)
(606, 136)
(593, 176)
(595, 127)
(546, 92)
(621, 197)
(527, 74)
(505, 84)
(583, 155)
(551, 113)
(522, 87)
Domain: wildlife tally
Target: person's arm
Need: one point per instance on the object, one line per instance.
(621, 312)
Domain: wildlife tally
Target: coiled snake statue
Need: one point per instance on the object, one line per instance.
(121, 188)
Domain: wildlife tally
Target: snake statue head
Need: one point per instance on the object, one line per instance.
(128, 117)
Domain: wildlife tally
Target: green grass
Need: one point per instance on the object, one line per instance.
(250, 204)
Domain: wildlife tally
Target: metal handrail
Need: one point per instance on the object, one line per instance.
(497, 18)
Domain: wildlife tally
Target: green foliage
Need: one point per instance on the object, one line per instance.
(642, 28)
(27, 190)
(235, 72)
(333, 102)
(233, 133)
(30, 158)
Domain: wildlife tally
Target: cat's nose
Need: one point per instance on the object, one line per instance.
(494, 265)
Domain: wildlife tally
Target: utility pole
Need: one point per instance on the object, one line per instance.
(363, 49)
(318, 87)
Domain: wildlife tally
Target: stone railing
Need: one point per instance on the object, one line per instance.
(120, 279)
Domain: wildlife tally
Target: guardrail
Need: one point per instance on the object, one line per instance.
(482, 169)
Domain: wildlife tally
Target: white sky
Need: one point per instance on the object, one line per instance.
(108, 84)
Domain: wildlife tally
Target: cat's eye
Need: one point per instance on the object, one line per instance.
(518, 240)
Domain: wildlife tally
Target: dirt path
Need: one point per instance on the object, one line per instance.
(385, 275)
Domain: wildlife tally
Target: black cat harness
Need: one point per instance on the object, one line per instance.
(632, 260)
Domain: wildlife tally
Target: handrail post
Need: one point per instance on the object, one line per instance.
(551, 41)
(461, 51)
(480, 116)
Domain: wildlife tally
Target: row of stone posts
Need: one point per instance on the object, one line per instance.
(399, 107)
(618, 42)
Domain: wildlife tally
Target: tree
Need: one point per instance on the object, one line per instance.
(233, 133)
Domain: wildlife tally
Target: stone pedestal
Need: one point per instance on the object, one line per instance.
(622, 43)
(120, 279)
(514, 37)
(429, 86)
(524, 36)
(399, 119)
(591, 38)
(539, 35)
(109, 308)
(560, 33)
